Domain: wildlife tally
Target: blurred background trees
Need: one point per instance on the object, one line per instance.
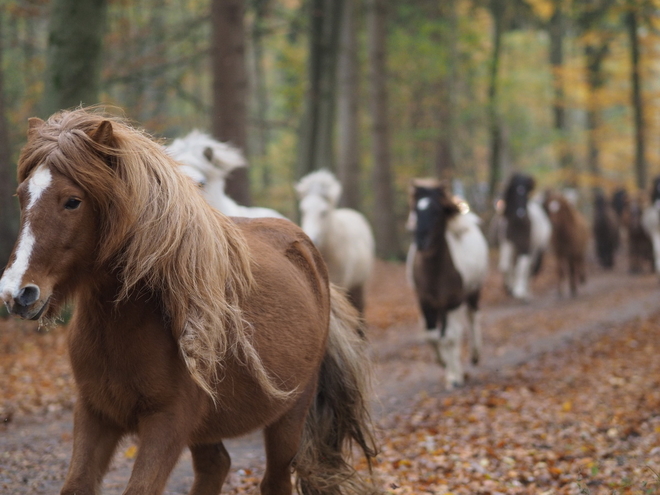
(380, 91)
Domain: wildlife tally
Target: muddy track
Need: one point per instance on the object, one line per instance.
(514, 333)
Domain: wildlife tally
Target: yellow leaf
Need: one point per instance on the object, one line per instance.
(567, 406)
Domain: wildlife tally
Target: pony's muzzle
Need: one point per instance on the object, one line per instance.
(26, 303)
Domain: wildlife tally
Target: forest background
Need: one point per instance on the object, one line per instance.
(380, 91)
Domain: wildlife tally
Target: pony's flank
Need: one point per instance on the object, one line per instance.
(158, 233)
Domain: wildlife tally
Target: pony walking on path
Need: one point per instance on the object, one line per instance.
(524, 236)
(342, 235)
(189, 327)
(449, 261)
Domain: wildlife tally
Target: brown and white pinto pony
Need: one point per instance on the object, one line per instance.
(524, 235)
(449, 260)
(570, 236)
(640, 247)
(651, 221)
(189, 327)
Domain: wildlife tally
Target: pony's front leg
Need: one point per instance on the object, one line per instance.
(94, 442)
(432, 332)
(162, 437)
(655, 241)
(450, 348)
(474, 321)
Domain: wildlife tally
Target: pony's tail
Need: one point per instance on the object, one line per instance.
(339, 416)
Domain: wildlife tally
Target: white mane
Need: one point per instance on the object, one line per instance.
(207, 155)
(208, 162)
(322, 183)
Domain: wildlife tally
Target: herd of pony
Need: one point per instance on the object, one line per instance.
(197, 319)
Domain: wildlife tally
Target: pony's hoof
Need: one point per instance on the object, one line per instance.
(453, 385)
(475, 359)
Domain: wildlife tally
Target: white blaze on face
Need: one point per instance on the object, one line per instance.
(423, 203)
(11, 280)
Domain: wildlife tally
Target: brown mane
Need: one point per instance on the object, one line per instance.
(137, 190)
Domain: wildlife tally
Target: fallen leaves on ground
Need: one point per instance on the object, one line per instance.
(585, 421)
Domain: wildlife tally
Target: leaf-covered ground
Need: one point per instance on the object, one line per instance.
(567, 399)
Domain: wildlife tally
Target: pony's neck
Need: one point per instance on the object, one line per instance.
(439, 246)
(214, 191)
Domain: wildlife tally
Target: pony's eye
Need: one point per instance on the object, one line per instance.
(72, 203)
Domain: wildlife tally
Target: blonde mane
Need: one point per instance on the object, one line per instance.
(160, 234)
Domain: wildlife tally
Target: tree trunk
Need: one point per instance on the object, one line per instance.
(387, 244)
(637, 103)
(595, 55)
(229, 118)
(315, 149)
(74, 53)
(556, 30)
(444, 159)
(348, 164)
(497, 10)
(8, 205)
(262, 136)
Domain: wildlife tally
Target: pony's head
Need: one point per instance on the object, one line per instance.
(516, 196)
(556, 206)
(655, 191)
(205, 155)
(431, 206)
(319, 194)
(60, 228)
(620, 201)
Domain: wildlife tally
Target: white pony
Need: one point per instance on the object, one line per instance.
(208, 162)
(342, 235)
(651, 222)
(524, 235)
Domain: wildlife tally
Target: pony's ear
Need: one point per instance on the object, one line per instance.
(34, 124)
(103, 134)
(531, 183)
(208, 154)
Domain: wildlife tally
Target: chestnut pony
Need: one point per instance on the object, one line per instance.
(189, 326)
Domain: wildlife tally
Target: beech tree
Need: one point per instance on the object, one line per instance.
(75, 41)
(229, 112)
(384, 218)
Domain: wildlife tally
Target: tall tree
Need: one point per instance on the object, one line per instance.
(315, 149)
(592, 19)
(497, 9)
(595, 56)
(258, 32)
(556, 30)
(348, 163)
(632, 23)
(8, 205)
(229, 115)
(387, 244)
(75, 41)
(444, 158)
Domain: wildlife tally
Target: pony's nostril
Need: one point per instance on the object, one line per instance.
(28, 295)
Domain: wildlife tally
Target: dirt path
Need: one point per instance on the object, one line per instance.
(34, 450)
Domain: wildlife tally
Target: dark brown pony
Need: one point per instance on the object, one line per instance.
(605, 230)
(190, 327)
(570, 236)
